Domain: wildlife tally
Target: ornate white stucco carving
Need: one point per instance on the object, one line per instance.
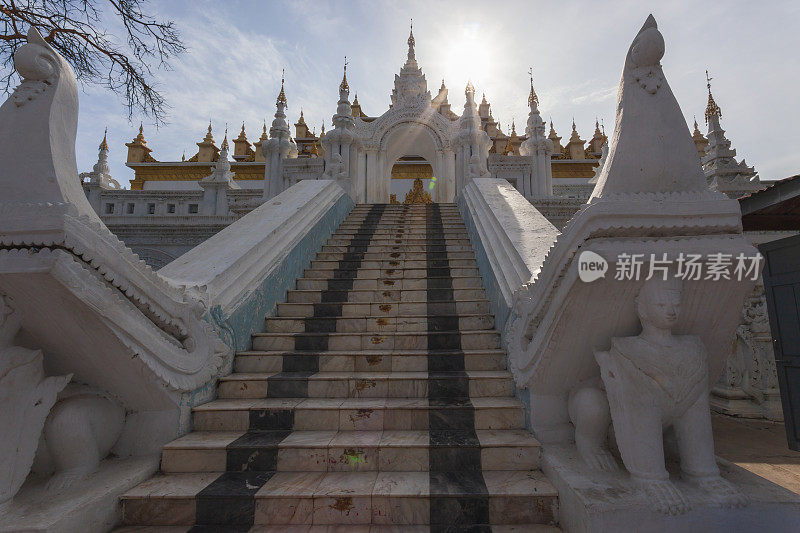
(748, 386)
(48, 225)
(279, 147)
(539, 148)
(101, 172)
(26, 396)
(80, 431)
(654, 381)
(650, 199)
(217, 184)
(410, 86)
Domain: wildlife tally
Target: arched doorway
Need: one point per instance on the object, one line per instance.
(406, 147)
(412, 180)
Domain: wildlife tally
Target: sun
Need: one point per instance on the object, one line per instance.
(467, 56)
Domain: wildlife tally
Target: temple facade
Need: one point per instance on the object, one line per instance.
(420, 137)
(326, 356)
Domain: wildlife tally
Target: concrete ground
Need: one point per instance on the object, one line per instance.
(758, 446)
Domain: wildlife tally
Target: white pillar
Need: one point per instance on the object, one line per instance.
(361, 179)
(450, 173)
(372, 176)
(382, 185)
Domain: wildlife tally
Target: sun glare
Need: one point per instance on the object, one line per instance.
(467, 57)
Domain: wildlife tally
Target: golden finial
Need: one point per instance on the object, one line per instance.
(139, 139)
(508, 149)
(209, 138)
(282, 94)
(712, 109)
(183, 157)
(411, 35)
(242, 136)
(344, 86)
(314, 150)
(442, 87)
(532, 98)
(575, 136)
(225, 139)
(104, 143)
(355, 100)
(513, 128)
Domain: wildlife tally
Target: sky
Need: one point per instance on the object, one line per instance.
(236, 50)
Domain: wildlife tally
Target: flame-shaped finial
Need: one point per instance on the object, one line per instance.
(344, 86)
(282, 94)
(104, 143)
(712, 109)
(532, 97)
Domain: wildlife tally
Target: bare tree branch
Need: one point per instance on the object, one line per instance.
(76, 29)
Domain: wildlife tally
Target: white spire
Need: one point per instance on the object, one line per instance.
(411, 61)
(410, 86)
(101, 172)
(652, 150)
(280, 129)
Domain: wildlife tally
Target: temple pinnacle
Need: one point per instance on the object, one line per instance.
(104, 143)
(712, 109)
(344, 86)
(225, 139)
(411, 42)
(282, 94)
(532, 97)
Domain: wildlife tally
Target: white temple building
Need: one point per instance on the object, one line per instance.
(413, 322)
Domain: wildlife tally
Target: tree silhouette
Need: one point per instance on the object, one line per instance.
(77, 29)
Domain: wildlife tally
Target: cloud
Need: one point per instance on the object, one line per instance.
(232, 70)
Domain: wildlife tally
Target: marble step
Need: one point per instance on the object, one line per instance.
(446, 221)
(395, 232)
(386, 255)
(376, 325)
(421, 215)
(441, 282)
(498, 497)
(383, 341)
(388, 241)
(392, 273)
(443, 212)
(389, 248)
(356, 414)
(384, 294)
(388, 224)
(327, 528)
(347, 451)
(401, 309)
(388, 263)
(476, 384)
(368, 361)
